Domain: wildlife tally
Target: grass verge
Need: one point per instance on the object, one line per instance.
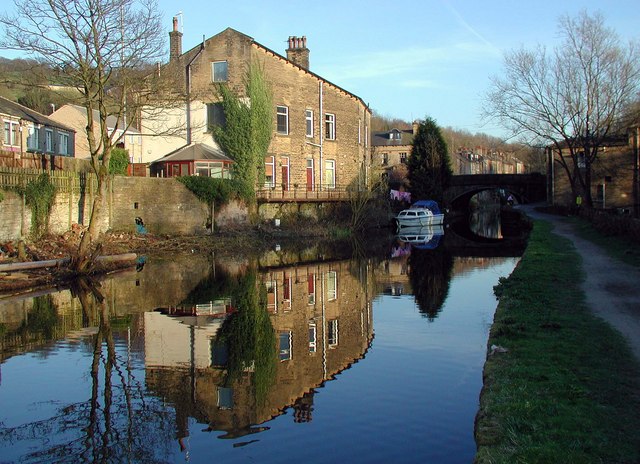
(567, 388)
(620, 248)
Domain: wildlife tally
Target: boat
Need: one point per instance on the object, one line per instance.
(421, 213)
(426, 237)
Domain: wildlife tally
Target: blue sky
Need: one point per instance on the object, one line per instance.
(409, 59)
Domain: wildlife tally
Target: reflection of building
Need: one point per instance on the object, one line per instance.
(321, 316)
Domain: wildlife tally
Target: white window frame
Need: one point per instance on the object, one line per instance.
(285, 353)
(282, 115)
(332, 333)
(63, 143)
(313, 336)
(308, 117)
(49, 140)
(11, 133)
(270, 161)
(329, 174)
(219, 76)
(329, 126)
(33, 138)
(332, 285)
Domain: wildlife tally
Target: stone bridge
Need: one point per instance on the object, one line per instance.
(526, 188)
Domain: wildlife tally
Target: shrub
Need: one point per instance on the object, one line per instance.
(216, 191)
(119, 161)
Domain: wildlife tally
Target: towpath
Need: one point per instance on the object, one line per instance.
(612, 288)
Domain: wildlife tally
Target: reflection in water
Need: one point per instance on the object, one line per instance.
(430, 274)
(484, 218)
(149, 362)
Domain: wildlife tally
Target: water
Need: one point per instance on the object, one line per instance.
(303, 357)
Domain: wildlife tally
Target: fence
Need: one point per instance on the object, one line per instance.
(64, 181)
(303, 194)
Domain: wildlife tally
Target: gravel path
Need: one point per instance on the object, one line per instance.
(612, 288)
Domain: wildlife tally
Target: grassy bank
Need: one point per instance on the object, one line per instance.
(567, 388)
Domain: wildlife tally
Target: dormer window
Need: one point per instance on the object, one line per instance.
(395, 134)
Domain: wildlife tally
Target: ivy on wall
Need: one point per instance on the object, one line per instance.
(39, 195)
(247, 131)
(217, 192)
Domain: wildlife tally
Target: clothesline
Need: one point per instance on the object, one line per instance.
(400, 196)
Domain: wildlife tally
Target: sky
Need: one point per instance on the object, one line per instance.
(406, 60)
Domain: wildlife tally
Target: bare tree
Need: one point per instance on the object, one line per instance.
(570, 98)
(102, 48)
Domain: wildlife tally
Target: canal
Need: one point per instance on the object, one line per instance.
(313, 355)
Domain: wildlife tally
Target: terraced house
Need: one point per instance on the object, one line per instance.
(27, 131)
(320, 130)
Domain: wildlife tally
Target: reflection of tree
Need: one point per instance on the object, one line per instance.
(42, 318)
(430, 274)
(117, 424)
(250, 338)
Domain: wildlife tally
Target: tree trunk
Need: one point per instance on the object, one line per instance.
(88, 249)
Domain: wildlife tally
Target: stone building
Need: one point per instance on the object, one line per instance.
(393, 147)
(614, 174)
(320, 130)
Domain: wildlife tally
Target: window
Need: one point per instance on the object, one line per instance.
(311, 288)
(286, 293)
(403, 158)
(308, 115)
(332, 331)
(330, 126)
(33, 139)
(285, 345)
(11, 133)
(225, 398)
(49, 140)
(269, 171)
(582, 163)
(332, 285)
(330, 174)
(272, 296)
(215, 116)
(385, 158)
(312, 336)
(219, 71)
(214, 169)
(63, 143)
(282, 119)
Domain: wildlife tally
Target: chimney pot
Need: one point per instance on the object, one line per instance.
(298, 52)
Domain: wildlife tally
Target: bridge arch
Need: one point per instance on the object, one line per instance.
(526, 188)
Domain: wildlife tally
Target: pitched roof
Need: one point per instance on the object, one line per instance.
(384, 139)
(111, 119)
(190, 54)
(195, 152)
(19, 111)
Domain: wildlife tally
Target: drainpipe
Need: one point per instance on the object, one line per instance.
(321, 118)
(188, 84)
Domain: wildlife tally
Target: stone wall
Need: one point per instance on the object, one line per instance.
(165, 206)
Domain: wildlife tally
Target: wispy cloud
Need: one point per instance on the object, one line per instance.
(406, 62)
(419, 84)
(469, 28)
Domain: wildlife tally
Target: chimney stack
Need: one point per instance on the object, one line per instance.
(298, 52)
(175, 41)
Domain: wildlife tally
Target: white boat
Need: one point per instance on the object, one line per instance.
(427, 237)
(421, 213)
